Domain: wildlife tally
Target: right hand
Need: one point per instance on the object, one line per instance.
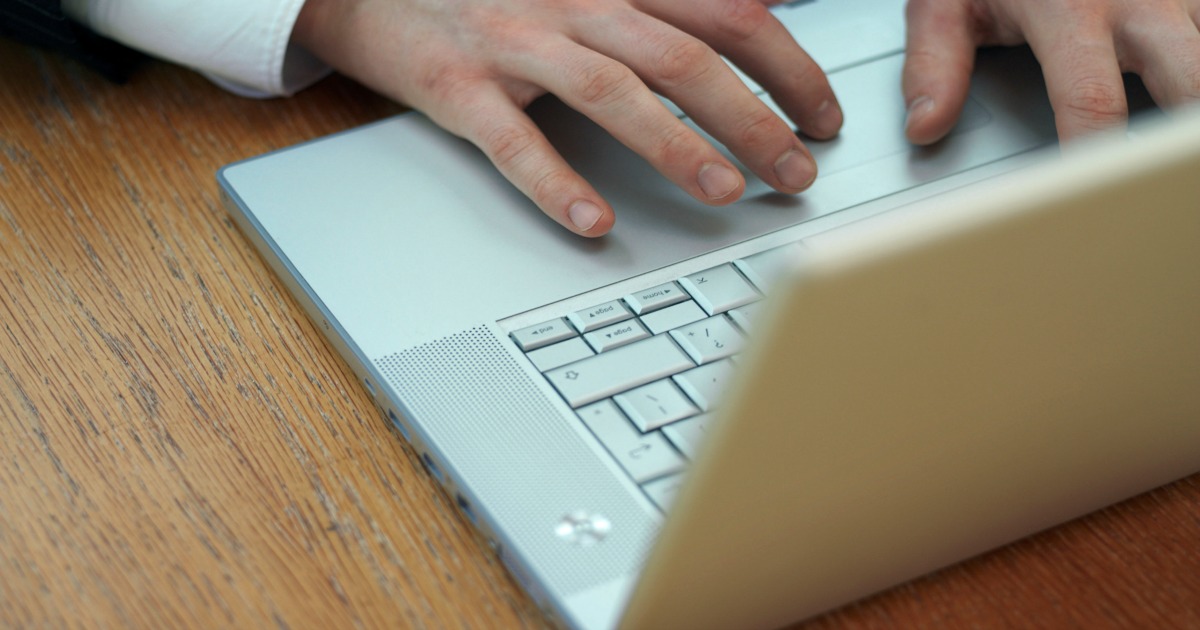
(474, 65)
(1083, 47)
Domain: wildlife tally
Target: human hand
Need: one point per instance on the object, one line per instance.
(1082, 45)
(474, 65)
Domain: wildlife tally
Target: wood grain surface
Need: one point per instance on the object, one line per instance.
(179, 446)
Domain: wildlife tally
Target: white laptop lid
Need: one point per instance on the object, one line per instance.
(944, 380)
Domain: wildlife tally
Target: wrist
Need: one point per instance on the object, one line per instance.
(307, 27)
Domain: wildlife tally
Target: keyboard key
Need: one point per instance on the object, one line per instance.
(652, 406)
(719, 289)
(705, 384)
(687, 435)
(543, 334)
(655, 298)
(673, 317)
(616, 335)
(762, 268)
(662, 491)
(744, 316)
(643, 456)
(709, 340)
(600, 316)
(617, 370)
(560, 354)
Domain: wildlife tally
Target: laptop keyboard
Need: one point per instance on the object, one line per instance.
(645, 372)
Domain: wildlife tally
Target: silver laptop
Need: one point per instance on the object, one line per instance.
(744, 416)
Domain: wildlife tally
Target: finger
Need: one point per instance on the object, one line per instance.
(485, 116)
(614, 97)
(938, 62)
(693, 76)
(750, 36)
(1164, 49)
(1083, 76)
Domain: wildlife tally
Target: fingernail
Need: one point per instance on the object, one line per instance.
(828, 119)
(917, 109)
(717, 180)
(584, 214)
(795, 170)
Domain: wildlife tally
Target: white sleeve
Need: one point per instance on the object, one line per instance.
(243, 45)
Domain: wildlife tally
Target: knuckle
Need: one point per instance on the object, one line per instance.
(507, 143)
(927, 64)
(602, 83)
(759, 129)
(548, 185)
(1143, 28)
(1095, 100)
(922, 61)
(682, 60)
(923, 57)
(444, 82)
(1191, 84)
(499, 26)
(742, 19)
(675, 146)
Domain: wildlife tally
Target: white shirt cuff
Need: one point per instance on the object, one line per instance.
(242, 45)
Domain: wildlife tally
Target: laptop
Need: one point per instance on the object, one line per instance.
(746, 416)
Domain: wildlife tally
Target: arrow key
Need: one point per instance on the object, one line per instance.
(600, 316)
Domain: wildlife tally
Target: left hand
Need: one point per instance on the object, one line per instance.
(473, 66)
(1082, 45)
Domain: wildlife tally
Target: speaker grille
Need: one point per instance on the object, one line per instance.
(517, 453)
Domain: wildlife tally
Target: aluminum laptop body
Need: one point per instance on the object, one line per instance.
(420, 262)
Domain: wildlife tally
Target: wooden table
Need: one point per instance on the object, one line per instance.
(180, 447)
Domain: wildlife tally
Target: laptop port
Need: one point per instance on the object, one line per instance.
(399, 425)
(465, 506)
(431, 467)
